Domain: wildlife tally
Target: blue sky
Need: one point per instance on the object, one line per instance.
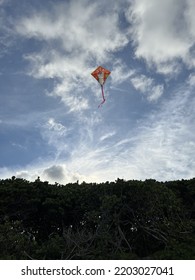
(50, 124)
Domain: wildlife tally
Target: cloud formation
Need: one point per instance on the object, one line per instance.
(147, 86)
(55, 172)
(164, 148)
(163, 33)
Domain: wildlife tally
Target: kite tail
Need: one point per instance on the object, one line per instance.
(102, 97)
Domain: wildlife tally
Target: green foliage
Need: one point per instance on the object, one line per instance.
(112, 220)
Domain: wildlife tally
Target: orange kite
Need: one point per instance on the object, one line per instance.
(101, 74)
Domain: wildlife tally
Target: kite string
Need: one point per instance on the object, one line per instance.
(102, 97)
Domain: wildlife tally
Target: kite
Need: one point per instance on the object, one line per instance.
(101, 74)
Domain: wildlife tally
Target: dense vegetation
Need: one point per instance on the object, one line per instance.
(112, 220)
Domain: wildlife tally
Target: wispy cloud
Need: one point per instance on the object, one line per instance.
(148, 87)
(191, 79)
(166, 142)
(121, 73)
(55, 134)
(107, 136)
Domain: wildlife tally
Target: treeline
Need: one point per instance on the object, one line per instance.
(111, 220)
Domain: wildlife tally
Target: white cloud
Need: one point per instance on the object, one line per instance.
(107, 136)
(57, 127)
(189, 13)
(79, 26)
(191, 79)
(166, 141)
(142, 83)
(163, 32)
(54, 133)
(148, 87)
(120, 73)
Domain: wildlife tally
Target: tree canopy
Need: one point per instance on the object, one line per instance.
(112, 220)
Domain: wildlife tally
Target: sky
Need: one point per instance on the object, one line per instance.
(50, 123)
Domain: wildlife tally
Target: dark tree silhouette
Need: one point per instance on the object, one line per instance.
(112, 220)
